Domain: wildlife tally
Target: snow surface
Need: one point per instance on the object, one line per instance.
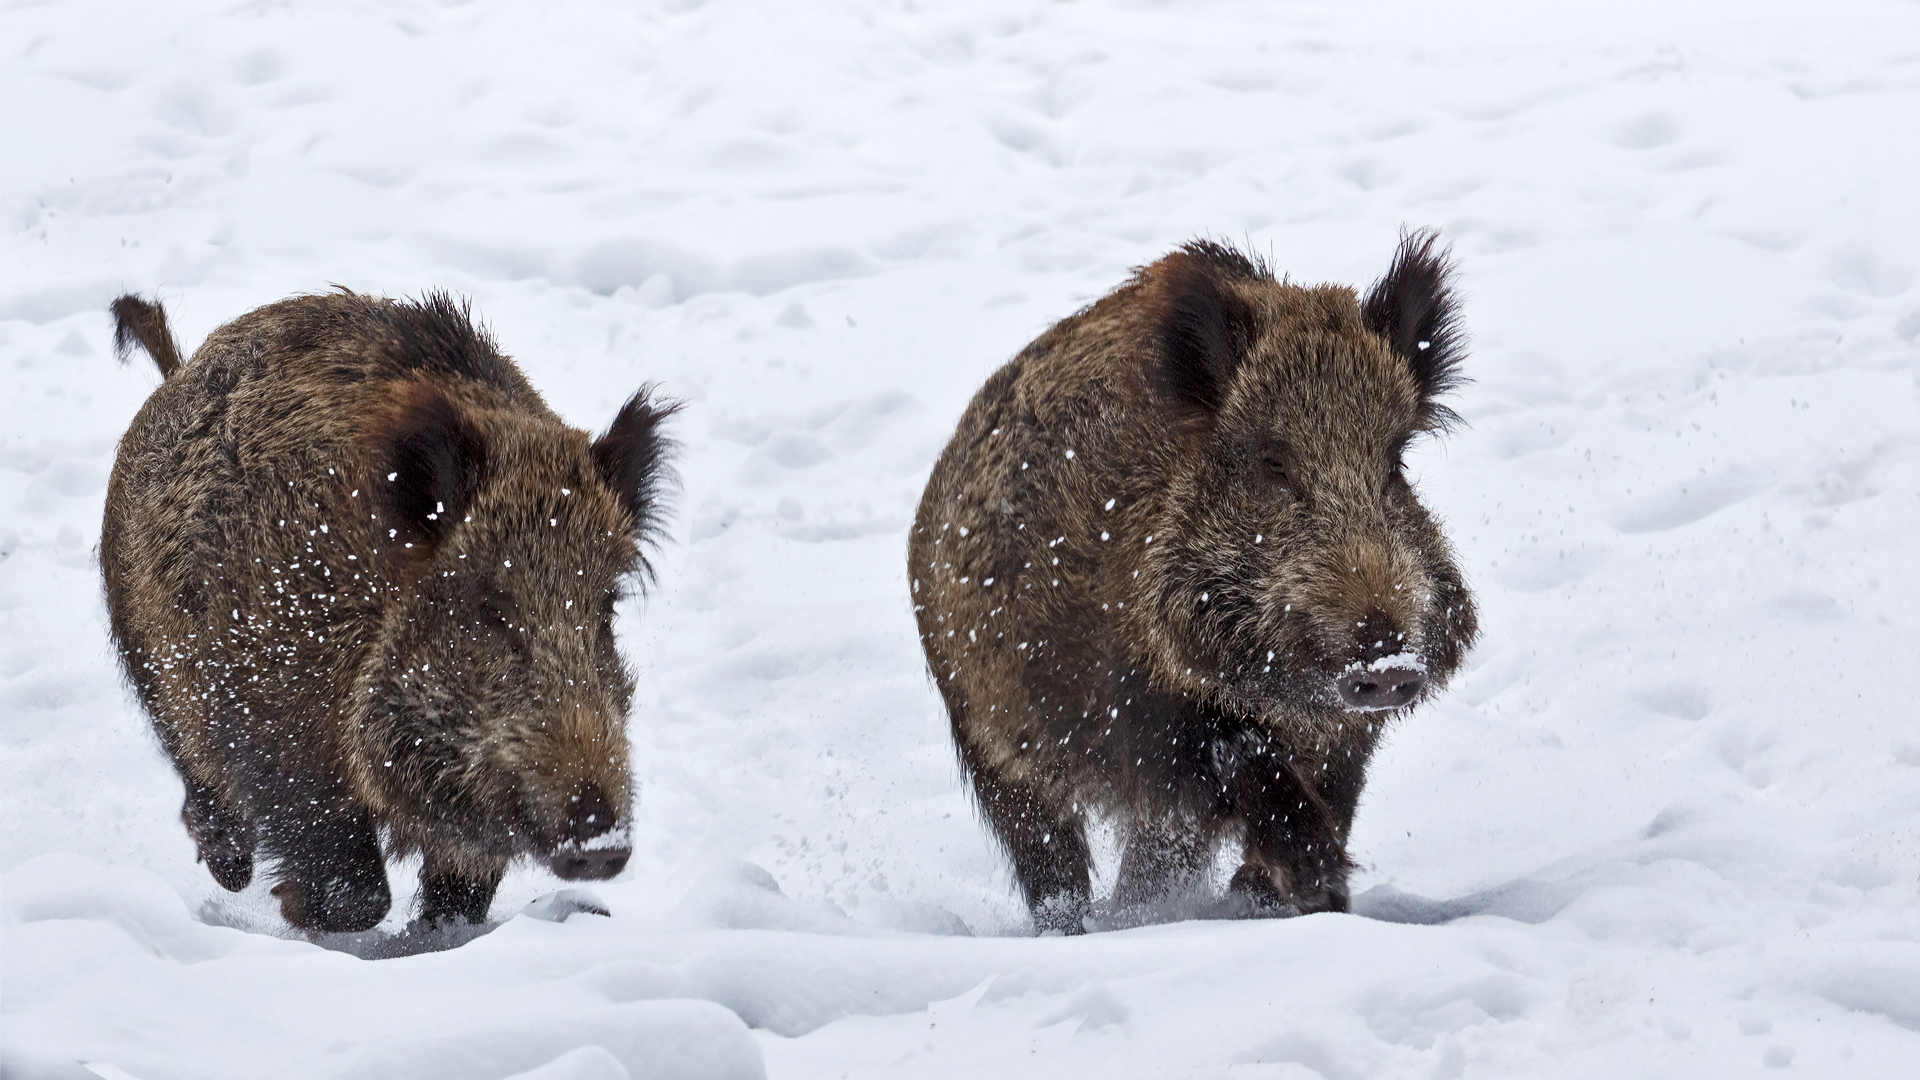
(1667, 822)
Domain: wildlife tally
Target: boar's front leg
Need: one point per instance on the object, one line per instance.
(222, 833)
(1047, 843)
(453, 892)
(1165, 856)
(333, 878)
(1295, 856)
(1341, 777)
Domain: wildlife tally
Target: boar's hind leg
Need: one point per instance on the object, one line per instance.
(332, 876)
(1295, 856)
(223, 835)
(1048, 846)
(447, 894)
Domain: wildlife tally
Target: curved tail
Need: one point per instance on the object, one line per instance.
(144, 322)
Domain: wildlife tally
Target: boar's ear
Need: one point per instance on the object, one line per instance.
(632, 458)
(1414, 308)
(1204, 327)
(433, 463)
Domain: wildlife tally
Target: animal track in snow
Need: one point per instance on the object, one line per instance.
(1685, 503)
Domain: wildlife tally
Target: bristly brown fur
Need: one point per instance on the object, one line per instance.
(362, 579)
(141, 322)
(1155, 566)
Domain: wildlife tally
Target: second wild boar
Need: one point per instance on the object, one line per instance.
(1170, 571)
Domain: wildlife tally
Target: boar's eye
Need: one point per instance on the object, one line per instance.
(1277, 472)
(1396, 477)
(494, 615)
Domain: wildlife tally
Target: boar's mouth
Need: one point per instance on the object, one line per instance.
(1302, 675)
(597, 859)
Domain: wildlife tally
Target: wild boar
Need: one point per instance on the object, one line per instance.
(362, 580)
(1170, 571)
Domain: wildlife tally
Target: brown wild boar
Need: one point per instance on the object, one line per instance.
(363, 581)
(1170, 571)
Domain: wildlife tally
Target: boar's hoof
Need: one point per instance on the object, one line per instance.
(231, 866)
(1322, 897)
(1388, 688)
(589, 864)
(1254, 895)
(1064, 914)
(449, 899)
(336, 906)
(224, 839)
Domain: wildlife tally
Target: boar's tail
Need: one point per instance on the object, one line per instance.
(143, 322)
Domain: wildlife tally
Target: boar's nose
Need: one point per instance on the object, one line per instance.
(589, 850)
(588, 814)
(1384, 688)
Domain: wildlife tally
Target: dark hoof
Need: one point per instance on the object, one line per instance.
(1332, 899)
(1063, 915)
(231, 867)
(455, 901)
(336, 906)
(1253, 894)
(224, 840)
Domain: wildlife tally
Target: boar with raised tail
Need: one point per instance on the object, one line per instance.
(1170, 571)
(363, 581)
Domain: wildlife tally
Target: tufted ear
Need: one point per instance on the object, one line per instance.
(1414, 308)
(1203, 327)
(632, 458)
(431, 465)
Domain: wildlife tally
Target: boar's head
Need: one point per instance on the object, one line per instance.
(1295, 564)
(493, 708)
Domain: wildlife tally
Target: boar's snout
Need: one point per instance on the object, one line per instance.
(592, 848)
(590, 864)
(1370, 688)
(1383, 673)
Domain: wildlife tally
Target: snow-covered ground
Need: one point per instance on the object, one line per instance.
(1666, 824)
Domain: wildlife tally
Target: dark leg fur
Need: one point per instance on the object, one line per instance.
(1162, 858)
(224, 836)
(1290, 829)
(446, 896)
(1048, 846)
(333, 877)
(1342, 778)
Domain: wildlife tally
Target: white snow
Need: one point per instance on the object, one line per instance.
(1666, 822)
(1404, 660)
